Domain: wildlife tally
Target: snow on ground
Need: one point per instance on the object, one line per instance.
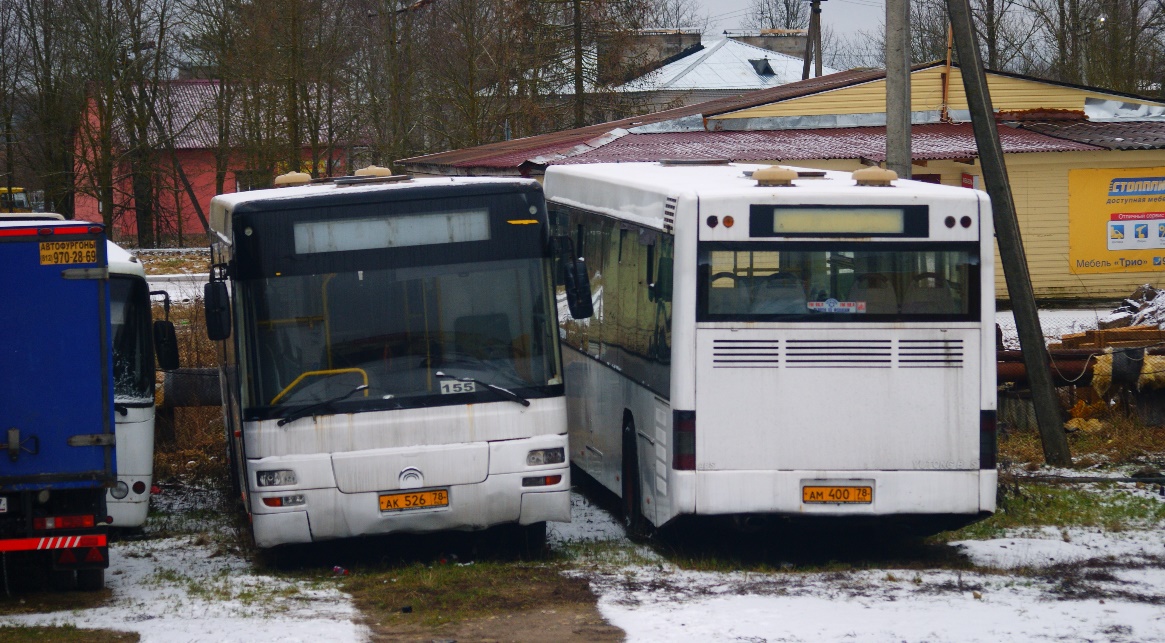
(1117, 598)
(177, 590)
(867, 606)
(1040, 584)
(1050, 546)
(183, 288)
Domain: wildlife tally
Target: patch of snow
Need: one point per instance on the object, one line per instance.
(587, 523)
(174, 590)
(1048, 546)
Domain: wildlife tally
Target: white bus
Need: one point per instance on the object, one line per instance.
(127, 503)
(390, 359)
(815, 349)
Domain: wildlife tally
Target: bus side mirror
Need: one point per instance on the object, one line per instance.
(218, 310)
(578, 289)
(166, 345)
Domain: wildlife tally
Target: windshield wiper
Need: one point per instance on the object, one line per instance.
(309, 410)
(505, 392)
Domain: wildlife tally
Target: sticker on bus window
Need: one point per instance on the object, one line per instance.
(449, 387)
(832, 305)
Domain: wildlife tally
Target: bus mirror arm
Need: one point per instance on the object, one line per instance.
(578, 289)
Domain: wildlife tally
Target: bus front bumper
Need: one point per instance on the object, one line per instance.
(327, 514)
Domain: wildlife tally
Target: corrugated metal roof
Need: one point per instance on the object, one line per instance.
(725, 64)
(928, 142)
(511, 154)
(1134, 135)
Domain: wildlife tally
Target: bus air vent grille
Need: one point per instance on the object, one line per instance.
(745, 353)
(669, 214)
(930, 353)
(838, 353)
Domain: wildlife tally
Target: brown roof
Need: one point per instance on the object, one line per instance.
(513, 154)
(598, 143)
(928, 142)
(1128, 135)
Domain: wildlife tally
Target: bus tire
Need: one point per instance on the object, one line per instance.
(533, 541)
(633, 520)
(91, 580)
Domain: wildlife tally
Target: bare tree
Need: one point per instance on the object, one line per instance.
(55, 96)
(777, 14)
(12, 56)
(676, 14)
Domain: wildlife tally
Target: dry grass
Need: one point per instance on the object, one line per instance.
(198, 452)
(1116, 439)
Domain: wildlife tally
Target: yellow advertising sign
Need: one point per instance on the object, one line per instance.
(1116, 220)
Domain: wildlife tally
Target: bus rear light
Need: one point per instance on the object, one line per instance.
(63, 522)
(540, 457)
(139, 487)
(541, 481)
(988, 445)
(286, 501)
(684, 440)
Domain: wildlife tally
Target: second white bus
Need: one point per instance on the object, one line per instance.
(814, 349)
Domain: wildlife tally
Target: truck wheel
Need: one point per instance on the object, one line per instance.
(91, 580)
(62, 580)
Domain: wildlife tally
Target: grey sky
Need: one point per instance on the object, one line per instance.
(844, 16)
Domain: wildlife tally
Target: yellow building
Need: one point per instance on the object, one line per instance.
(1087, 166)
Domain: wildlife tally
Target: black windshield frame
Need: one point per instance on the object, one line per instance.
(517, 241)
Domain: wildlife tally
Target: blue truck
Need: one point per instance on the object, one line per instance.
(56, 400)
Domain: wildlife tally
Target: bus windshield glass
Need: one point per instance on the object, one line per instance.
(133, 355)
(836, 281)
(315, 338)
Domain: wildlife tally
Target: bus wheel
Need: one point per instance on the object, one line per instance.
(633, 520)
(91, 580)
(533, 541)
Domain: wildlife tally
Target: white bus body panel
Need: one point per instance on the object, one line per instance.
(824, 406)
(135, 463)
(343, 463)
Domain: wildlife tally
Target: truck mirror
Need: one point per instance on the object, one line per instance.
(578, 289)
(166, 345)
(218, 310)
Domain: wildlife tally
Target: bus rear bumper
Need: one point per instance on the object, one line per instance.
(329, 514)
(892, 492)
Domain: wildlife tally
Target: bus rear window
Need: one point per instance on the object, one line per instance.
(838, 282)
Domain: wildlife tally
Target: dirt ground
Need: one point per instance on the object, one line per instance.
(557, 621)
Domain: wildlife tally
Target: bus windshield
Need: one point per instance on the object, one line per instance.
(316, 337)
(133, 355)
(838, 281)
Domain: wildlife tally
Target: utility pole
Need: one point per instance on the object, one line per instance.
(579, 87)
(1011, 253)
(813, 40)
(898, 155)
